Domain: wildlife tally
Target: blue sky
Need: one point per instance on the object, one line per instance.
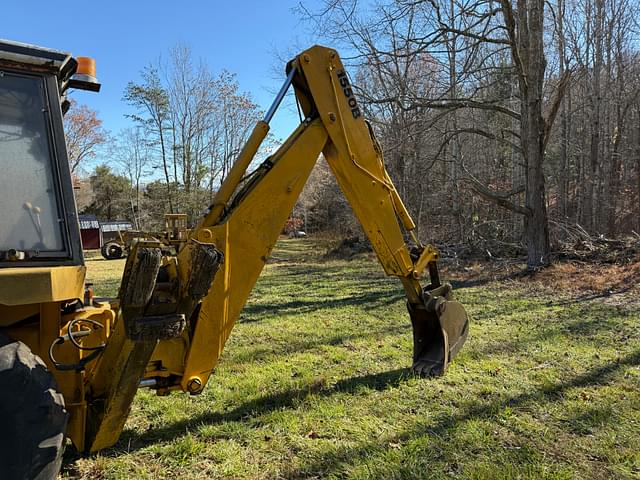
(240, 36)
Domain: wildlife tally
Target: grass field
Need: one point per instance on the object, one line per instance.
(314, 383)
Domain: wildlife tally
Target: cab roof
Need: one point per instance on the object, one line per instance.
(32, 58)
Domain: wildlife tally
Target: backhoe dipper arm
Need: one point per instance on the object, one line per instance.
(245, 220)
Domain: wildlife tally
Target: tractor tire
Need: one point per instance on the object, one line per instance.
(112, 251)
(33, 419)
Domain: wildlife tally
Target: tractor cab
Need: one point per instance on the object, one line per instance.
(39, 224)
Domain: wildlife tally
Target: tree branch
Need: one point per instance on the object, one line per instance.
(500, 198)
(554, 105)
(448, 104)
(510, 23)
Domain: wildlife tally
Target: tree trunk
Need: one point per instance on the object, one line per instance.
(563, 181)
(637, 155)
(596, 99)
(530, 48)
(164, 165)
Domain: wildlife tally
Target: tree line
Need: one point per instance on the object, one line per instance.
(187, 127)
(507, 125)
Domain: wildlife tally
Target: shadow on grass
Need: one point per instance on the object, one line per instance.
(589, 418)
(571, 325)
(368, 301)
(595, 296)
(326, 275)
(339, 459)
(132, 441)
(336, 460)
(572, 328)
(262, 351)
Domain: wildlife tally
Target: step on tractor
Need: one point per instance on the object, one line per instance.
(70, 364)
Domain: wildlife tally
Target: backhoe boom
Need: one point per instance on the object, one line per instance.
(245, 227)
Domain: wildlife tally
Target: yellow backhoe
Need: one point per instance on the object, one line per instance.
(70, 364)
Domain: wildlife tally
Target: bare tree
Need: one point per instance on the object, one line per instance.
(152, 101)
(133, 153)
(474, 48)
(197, 123)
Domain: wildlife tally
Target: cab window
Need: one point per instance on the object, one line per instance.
(30, 218)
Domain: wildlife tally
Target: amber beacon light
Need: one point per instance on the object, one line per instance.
(86, 66)
(85, 76)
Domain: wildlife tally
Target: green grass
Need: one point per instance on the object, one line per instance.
(314, 383)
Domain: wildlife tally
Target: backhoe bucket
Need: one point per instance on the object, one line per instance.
(440, 328)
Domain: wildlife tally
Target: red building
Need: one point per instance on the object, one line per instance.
(90, 232)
